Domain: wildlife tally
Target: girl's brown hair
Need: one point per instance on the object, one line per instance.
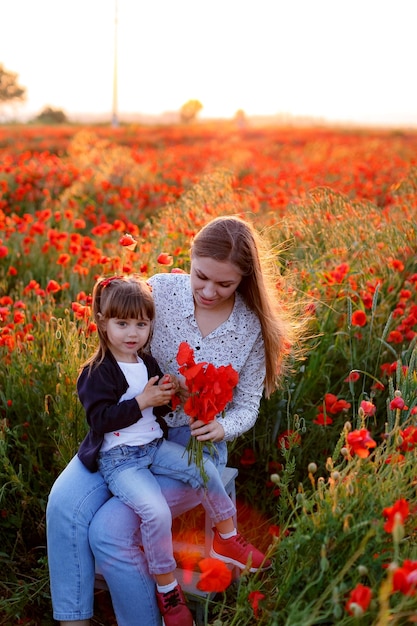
(121, 297)
(232, 239)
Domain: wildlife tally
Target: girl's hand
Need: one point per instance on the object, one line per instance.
(154, 395)
(169, 382)
(213, 431)
(178, 387)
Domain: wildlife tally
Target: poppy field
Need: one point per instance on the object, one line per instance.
(326, 478)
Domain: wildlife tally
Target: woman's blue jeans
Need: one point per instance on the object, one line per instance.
(88, 530)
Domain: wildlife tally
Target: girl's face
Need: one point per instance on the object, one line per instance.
(213, 283)
(126, 337)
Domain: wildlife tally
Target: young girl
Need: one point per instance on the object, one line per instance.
(125, 395)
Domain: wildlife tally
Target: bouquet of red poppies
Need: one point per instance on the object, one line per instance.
(210, 389)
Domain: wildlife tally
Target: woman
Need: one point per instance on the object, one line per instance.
(225, 311)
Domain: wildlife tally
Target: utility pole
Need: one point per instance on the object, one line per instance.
(115, 119)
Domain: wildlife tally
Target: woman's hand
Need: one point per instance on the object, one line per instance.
(213, 431)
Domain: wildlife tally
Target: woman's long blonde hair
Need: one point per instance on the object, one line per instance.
(233, 239)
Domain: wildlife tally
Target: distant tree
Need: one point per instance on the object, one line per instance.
(9, 88)
(240, 118)
(51, 116)
(190, 110)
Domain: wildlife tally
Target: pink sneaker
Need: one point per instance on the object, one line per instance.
(173, 608)
(237, 551)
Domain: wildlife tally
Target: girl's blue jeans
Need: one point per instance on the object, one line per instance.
(88, 530)
(131, 474)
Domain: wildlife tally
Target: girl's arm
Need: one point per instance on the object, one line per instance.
(99, 394)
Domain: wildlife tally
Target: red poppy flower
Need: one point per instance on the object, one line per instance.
(397, 265)
(52, 286)
(405, 578)
(274, 530)
(18, 317)
(409, 437)
(127, 241)
(389, 368)
(395, 514)
(359, 600)
(165, 259)
(368, 408)
(329, 399)
(323, 420)
(359, 442)
(185, 355)
(405, 294)
(395, 336)
(254, 598)
(63, 259)
(352, 378)
(359, 318)
(289, 438)
(334, 405)
(215, 575)
(31, 286)
(81, 311)
(4, 313)
(248, 457)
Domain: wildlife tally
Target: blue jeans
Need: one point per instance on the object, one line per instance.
(130, 473)
(88, 530)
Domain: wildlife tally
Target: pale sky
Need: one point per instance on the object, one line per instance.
(343, 60)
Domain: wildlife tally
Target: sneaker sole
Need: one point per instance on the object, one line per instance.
(242, 566)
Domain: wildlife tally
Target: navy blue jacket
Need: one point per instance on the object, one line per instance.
(100, 391)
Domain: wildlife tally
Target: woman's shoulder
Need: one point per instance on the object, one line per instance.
(162, 284)
(165, 278)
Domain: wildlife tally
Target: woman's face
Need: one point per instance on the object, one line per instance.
(213, 283)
